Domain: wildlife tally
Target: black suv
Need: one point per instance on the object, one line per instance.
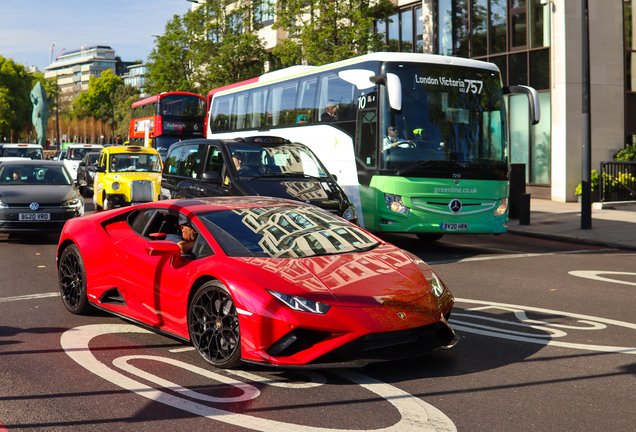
(266, 166)
(86, 172)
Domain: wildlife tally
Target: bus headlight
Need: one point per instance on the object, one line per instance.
(394, 203)
(503, 207)
(116, 186)
(350, 213)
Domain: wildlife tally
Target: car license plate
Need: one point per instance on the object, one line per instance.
(455, 226)
(35, 216)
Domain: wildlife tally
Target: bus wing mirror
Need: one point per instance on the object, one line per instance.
(393, 88)
(533, 100)
(358, 77)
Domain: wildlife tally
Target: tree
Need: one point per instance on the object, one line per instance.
(209, 47)
(123, 99)
(15, 103)
(322, 32)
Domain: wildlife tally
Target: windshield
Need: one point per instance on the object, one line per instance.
(34, 175)
(34, 153)
(275, 161)
(284, 232)
(135, 162)
(77, 154)
(452, 122)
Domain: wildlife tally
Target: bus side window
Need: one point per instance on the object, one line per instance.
(221, 113)
(239, 112)
(256, 110)
(282, 103)
(342, 94)
(306, 93)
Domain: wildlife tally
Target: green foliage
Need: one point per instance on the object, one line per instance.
(123, 98)
(15, 101)
(627, 154)
(206, 48)
(594, 184)
(332, 30)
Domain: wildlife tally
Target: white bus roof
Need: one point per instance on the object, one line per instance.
(295, 71)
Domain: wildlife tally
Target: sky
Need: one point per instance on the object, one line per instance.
(28, 28)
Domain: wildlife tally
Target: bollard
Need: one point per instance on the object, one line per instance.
(524, 209)
(517, 187)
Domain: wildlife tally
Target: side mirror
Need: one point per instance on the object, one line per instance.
(91, 168)
(533, 100)
(211, 177)
(334, 177)
(393, 86)
(81, 164)
(100, 169)
(162, 248)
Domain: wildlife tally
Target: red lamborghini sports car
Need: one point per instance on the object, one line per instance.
(268, 281)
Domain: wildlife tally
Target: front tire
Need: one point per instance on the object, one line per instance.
(214, 326)
(429, 237)
(72, 279)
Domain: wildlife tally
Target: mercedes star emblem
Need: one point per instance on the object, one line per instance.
(455, 206)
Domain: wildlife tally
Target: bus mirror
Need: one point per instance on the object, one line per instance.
(357, 77)
(533, 100)
(393, 88)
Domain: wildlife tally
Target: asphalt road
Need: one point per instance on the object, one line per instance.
(548, 337)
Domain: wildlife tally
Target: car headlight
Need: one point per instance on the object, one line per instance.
(3, 205)
(503, 207)
(350, 213)
(301, 304)
(394, 203)
(72, 203)
(116, 186)
(436, 284)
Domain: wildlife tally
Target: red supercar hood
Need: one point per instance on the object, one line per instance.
(368, 279)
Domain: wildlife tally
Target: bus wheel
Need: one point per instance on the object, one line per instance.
(429, 237)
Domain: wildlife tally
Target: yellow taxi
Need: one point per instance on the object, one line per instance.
(126, 175)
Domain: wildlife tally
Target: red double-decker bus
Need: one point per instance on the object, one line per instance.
(167, 118)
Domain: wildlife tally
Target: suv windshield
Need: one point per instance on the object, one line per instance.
(284, 232)
(135, 162)
(452, 121)
(275, 161)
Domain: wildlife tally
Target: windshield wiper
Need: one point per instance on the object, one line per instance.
(427, 164)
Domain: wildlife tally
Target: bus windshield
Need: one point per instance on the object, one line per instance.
(452, 122)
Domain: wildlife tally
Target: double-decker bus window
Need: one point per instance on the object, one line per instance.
(221, 113)
(282, 104)
(257, 113)
(239, 112)
(306, 95)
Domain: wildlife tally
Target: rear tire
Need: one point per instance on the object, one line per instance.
(429, 237)
(72, 280)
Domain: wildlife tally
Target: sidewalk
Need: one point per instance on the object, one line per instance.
(562, 221)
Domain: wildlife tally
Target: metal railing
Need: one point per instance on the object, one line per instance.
(617, 181)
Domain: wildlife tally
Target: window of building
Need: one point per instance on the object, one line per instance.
(404, 30)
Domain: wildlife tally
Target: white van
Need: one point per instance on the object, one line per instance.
(22, 150)
(75, 153)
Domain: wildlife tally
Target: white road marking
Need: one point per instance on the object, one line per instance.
(513, 256)
(316, 379)
(184, 349)
(29, 297)
(594, 275)
(589, 323)
(416, 414)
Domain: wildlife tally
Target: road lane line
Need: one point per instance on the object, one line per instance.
(29, 297)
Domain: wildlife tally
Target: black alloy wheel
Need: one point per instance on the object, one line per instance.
(214, 326)
(72, 279)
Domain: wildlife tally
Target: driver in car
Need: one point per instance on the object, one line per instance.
(392, 140)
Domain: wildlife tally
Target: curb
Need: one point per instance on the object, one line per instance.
(571, 239)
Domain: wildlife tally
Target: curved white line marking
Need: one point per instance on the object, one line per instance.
(416, 414)
(316, 379)
(534, 338)
(249, 392)
(594, 275)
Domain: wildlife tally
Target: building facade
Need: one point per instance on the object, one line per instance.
(74, 69)
(135, 76)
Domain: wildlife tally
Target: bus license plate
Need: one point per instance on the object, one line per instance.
(455, 226)
(35, 216)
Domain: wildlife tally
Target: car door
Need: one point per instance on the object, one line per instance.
(156, 286)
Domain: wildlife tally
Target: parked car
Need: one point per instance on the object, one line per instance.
(86, 172)
(268, 280)
(37, 195)
(75, 153)
(265, 166)
(23, 150)
(126, 175)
